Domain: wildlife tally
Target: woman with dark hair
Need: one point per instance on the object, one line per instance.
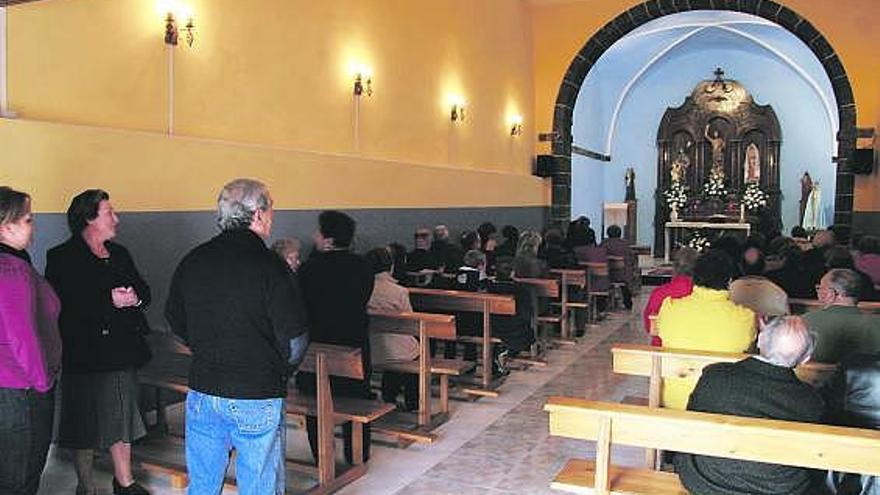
(30, 351)
(486, 230)
(706, 320)
(793, 276)
(511, 239)
(102, 327)
(554, 251)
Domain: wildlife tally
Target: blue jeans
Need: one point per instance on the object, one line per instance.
(253, 427)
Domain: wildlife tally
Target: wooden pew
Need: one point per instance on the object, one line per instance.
(595, 271)
(325, 361)
(658, 363)
(424, 326)
(750, 439)
(438, 300)
(800, 306)
(569, 278)
(169, 371)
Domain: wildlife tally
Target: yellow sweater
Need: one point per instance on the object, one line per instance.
(706, 320)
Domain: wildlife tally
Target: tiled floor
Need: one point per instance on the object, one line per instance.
(491, 446)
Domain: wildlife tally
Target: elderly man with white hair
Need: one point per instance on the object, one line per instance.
(763, 386)
(234, 303)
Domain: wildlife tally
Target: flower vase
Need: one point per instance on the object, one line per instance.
(673, 215)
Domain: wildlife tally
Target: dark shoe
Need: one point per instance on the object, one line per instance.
(132, 489)
(500, 364)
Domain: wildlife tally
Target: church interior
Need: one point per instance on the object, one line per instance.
(688, 126)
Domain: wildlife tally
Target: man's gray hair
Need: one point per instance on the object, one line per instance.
(786, 341)
(846, 282)
(239, 200)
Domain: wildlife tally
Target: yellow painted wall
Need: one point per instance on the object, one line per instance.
(275, 73)
(150, 172)
(561, 28)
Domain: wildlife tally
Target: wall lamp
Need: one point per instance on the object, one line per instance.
(516, 125)
(457, 108)
(172, 32)
(363, 83)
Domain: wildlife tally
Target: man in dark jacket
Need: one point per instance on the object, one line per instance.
(234, 303)
(337, 285)
(853, 398)
(762, 386)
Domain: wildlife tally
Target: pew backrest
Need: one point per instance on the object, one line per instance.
(340, 360)
(806, 445)
(456, 300)
(665, 362)
(543, 287)
(799, 306)
(436, 326)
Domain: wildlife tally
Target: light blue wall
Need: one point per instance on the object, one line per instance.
(807, 128)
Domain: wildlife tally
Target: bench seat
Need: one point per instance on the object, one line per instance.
(344, 408)
(454, 367)
(578, 476)
(470, 339)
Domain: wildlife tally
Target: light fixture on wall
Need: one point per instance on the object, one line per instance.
(173, 12)
(456, 108)
(516, 125)
(363, 80)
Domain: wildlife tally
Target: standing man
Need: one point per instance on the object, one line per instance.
(235, 305)
(337, 284)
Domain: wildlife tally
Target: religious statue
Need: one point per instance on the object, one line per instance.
(717, 143)
(813, 218)
(630, 180)
(806, 189)
(752, 165)
(679, 166)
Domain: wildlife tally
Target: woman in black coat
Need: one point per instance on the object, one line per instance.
(102, 330)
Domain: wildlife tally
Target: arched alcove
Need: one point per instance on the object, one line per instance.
(627, 22)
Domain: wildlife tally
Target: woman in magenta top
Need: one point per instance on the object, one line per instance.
(30, 351)
(681, 285)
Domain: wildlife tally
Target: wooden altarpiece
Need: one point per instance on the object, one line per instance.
(719, 110)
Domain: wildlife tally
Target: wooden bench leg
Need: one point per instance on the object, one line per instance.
(603, 457)
(444, 394)
(357, 443)
(487, 346)
(424, 376)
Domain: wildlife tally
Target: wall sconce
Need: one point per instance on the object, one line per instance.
(516, 125)
(363, 83)
(172, 33)
(457, 106)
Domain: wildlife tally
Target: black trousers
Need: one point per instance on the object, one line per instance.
(25, 434)
(312, 429)
(341, 387)
(393, 382)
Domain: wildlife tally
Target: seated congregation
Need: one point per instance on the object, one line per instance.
(264, 333)
(725, 343)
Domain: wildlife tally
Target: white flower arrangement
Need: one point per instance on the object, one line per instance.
(754, 198)
(714, 187)
(698, 242)
(676, 196)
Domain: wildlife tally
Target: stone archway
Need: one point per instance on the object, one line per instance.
(623, 24)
